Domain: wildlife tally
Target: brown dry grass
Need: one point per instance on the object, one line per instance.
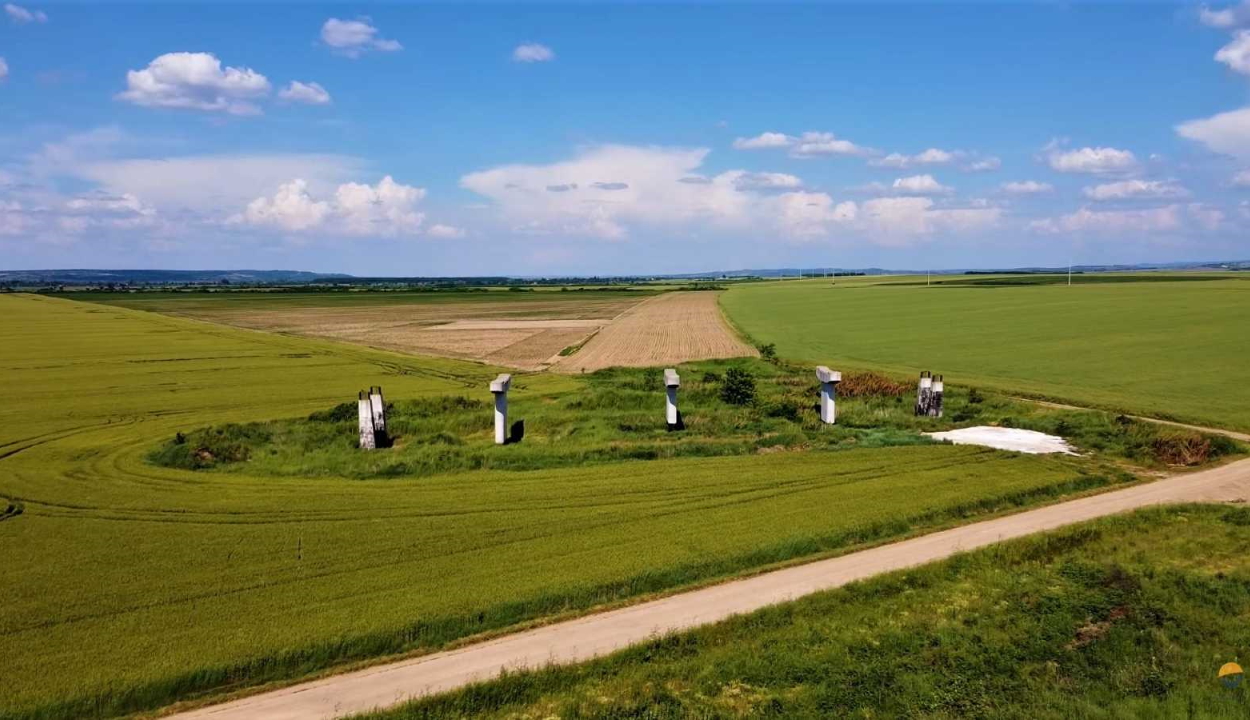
(667, 329)
(524, 335)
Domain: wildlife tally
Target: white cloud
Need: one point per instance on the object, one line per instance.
(385, 209)
(666, 192)
(4, 69)
(445, 231)
(813, 144)
(897, 218)
(1135, 189)
(353, 38)
(208, 184)
(1114, 222)
(1027, 187)
(309, 93)
(1227, 133)
(767, 181)
(763, 141)
(195, 81)
(1226, 18)
(919, 185)
(986, 164)
(532, 53)
(1236, 54)
(807, 145)
(932, 156)
(1094, 160)
(1242, 179)
(123, 212)
(807, 214)
(21, 15)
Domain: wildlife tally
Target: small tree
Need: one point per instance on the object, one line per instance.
(738, 387)
(768, 352)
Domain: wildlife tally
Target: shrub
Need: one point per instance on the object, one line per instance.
(738, 387)
(768, 352)
(974, 397)
(869, 384)
(711, 377)
(342, 412)
(1188, 448)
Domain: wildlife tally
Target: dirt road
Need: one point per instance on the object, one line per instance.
(664, 330)
(596, 635)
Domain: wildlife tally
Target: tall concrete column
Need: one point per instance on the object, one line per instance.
(364, 407)
(922, 393)
(499, 386)
(829, 380)
(672, 381)
(935, 397)
(378, 407)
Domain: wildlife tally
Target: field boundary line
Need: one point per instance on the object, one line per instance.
(1158, 421)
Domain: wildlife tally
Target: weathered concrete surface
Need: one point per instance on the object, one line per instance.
(596, 635)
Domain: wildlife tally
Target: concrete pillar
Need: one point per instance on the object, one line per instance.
(672, 381)
(935, 397)
(923, 392)
(829, 380)
(499, 386)
(365, 413)
(378, 405)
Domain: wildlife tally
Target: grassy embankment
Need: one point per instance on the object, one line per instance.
(127, 586)
(1127, 618)
(617, 415)
(1157, 345)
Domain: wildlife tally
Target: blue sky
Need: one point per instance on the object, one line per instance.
(578, 138)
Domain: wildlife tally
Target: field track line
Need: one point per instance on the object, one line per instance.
(597, 635)
(1172, 423)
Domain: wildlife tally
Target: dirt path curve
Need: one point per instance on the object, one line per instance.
(595, 635)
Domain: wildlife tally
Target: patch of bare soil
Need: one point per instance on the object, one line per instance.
(526, 335)
(664, 330)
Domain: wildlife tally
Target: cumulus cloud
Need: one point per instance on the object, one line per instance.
(1173, 218)
(1092, 160)
(308, 93)
(1027, 187)
(353, 38)
(919, 185)
(445, 231)
(1225, 18)
(763, 141)
(533, 53)
(767, 181)
(1242, 179)
(808, 214)
(896, 219)
(4, 69)
(385, 209)
(986, 164)
(667, 192)
(1136, 189)
(807, 145)
(21, 15)
(125, 212)
(195, 81)
(1236, 54)
(932, 156)
(1227, 133)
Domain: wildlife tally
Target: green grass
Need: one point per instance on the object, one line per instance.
(1124, 618)
(127, 585)
(1171, 349)
(613, 416)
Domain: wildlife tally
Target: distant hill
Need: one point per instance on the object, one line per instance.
(161, 277)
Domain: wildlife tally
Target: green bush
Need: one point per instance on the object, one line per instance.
(738, 387)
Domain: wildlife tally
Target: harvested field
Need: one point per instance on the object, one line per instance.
(668, 329)
(524, 334)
